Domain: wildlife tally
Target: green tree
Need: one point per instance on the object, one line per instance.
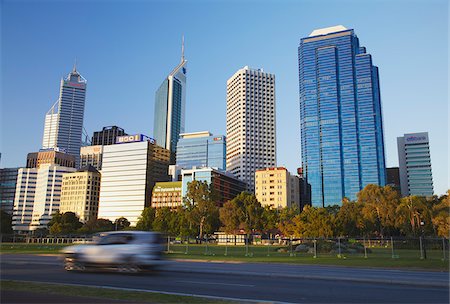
(121, 223)
(162, 220)
(65, 223)
(286, 224)
(441, 216)
(314, 222)
(230, 216)
(411, 211)
(349, 219)
(6, 222)
(145, 221)
(271, 220)
(97, 225)
(379, 207)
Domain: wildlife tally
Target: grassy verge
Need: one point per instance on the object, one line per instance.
(102, 293)
(377, 257)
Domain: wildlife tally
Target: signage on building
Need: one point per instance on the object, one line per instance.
(416, 138)
(134, 138)
(217, 138)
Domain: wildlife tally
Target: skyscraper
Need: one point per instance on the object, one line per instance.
(64, 121)
(8, 180)
(415, 164)
(251, 132)
(107, 136)
(170, 100)
(340, 116)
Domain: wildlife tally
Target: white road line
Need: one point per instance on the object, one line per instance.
(216, 283)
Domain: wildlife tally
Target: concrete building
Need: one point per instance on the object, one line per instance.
(91, 155)
(167, 194)
(276, 187)
(201, 149)
(170, 103)
(393, 177)
(80, 193)
(251, 131)
(63, 127)
(8, 180)
(107, 136)
(130, 170)
(38, 194)
(225, 184)
(414, 161)
(50, 157)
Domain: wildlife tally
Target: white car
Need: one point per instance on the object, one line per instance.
(124, 251)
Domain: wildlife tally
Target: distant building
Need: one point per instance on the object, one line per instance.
(80, 193)
(91, 155)
(167, 194)
(305, 189)
(393, 177)
(201, 149)
(8, 180)
(38, 193)
(50, 157)
(276, 187)
(251, 123)
(341, 121)
(415, 164)
(64, 121)
(130, 170)
(107, 136)
(225, 184)
(170, 103)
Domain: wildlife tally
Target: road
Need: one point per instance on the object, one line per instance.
(246, 281)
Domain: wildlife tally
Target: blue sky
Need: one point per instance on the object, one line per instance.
(126, 48)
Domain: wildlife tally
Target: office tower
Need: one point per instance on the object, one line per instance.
(38, 193)
(224, 184)
(64, 121)
(52, 157)
(167, 194)
(340, 116)
(8, 180)
(415, 164)
(80, 193)
(201, 149)
(130, 170)
(107, 136)
(305, 189)
(251, 132)
(277, 188)
(170, 101)
(91, 155)
(393, 177)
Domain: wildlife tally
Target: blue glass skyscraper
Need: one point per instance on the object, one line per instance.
(340, 116)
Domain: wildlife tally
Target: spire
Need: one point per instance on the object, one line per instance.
(74, 70)
(182, 49)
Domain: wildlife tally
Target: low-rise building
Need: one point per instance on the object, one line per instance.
(91, 155)
(80, 193)
(167, 194)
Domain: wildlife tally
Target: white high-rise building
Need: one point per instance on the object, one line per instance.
(64, 121)
(251, 131)
(24, 198)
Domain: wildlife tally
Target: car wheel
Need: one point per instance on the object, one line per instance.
(72, 265)
(128, 268)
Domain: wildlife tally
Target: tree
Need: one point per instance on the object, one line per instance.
(379, 206)
(230, 215)
(441, 216)
(314, 222)
(121, 223)
(271, 219)
(65, 223)
(6, 222)
(411, 211)
(286, 223)
(349, 219)
(97, 225)
(145, 221)
(162, 220)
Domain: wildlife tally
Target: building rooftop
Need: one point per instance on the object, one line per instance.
(195, 134)
(328, 30)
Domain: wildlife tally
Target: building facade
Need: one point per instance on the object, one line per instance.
(91, 156)
(170, 103)
(414, 160)
(64, 121)
(130, 170)
(277, 188)
(340, 116)
(201, 149)
(224, 184)
(167, 194)
(107, 136)
(393, 177)
(38, 194)
(80, 193)
(52, 157)
(251, 131)
(8, 180)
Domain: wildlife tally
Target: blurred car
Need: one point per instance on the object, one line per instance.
(124, 251)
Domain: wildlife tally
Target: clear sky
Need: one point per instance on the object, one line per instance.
(126, 48)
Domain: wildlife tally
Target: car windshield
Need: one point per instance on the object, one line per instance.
(114, 239)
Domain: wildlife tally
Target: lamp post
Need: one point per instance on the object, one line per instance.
(423, 250)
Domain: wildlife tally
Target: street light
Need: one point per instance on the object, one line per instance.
(423, 251)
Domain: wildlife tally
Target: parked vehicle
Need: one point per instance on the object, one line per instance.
(124, 251)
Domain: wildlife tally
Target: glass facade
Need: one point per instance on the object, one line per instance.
(204, 150)
(8, 180)
(340, 117)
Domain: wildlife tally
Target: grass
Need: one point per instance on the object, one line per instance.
(378, 257)
(102, 293)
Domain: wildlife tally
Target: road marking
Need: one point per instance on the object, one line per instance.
(217, 283)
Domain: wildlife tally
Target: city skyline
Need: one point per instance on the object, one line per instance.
(397, 102)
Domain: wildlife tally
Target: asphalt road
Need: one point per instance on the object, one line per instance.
(260, 282)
